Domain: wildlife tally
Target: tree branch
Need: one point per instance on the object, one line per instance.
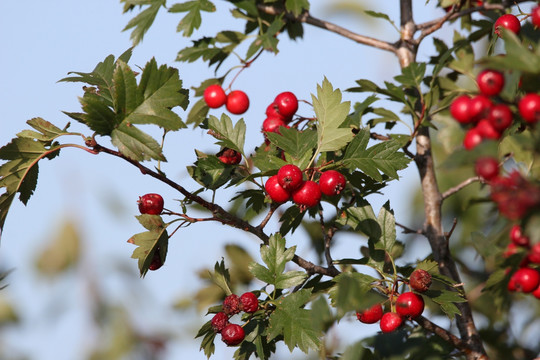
(305, 17)
(460, 186)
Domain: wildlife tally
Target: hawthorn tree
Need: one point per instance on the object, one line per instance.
(473, 138)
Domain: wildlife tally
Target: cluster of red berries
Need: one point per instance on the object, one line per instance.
(526, 279)
(486, 119)
(280, 112)
(514, 195)
(236, 102)
(289, 182)
(408, 305)
(233, 334)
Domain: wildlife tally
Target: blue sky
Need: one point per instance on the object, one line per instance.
(41, 42)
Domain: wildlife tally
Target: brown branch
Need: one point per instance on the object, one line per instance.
(268, 216)
(305, 17)
(460, 186)
(408, 230)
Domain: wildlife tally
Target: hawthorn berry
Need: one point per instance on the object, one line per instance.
(272, 111)
(332, 182)
(287, 104)
(370, 315)
(535, 16)
(390, 321)
(237, 102)
(460, 109)
(472, 139)
(156, 261)
(525, 280)
(219, 321)
(517, 237)
(290, 177)
(509, 22)
(232, 334)
(490, 82)
(486, 167)
(275, 191)
(410, 305)
(510, 250)
(307, 195)
(249, 302)
(151, 204)
(214, 96)
(480, 107)
(536, 293)
(229, 156)
(231, 305)
(500, 117)
(420, 280)
(272, 124)
(486, 130)
(529, 107)
(534, 254)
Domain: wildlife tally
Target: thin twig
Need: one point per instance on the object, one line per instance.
(448, 235)
(407, 230)
(460, 186)
(268, 216)
(305, 17)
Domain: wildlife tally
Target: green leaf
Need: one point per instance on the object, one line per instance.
(387, 223)
(267, 160)
(353, 292)
(295, 143)
(227, 135)
(221, 277)
(192, 20)
(384, 157)
(136, 144)
(148, 243)
(293, 322)
(198, 113)
(98, 114)
(276, 256)
(362, 218)
(297, 6)
(446, 300)
(142, 22)
(209, 171)
(208, 334)
(412, 75)
(331, 113)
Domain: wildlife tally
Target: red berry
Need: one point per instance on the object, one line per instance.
(480, 107)
(525, 280)
(332, 182)
(290, 177)
(371, 315)
(287, 104)
(420, 280)
(486, 130)
(231, 305)
(156, 261)
(272, 124)
(510, 250)
(486, 167)
(229, 156)
(232, 334)
(500, 116)
(275, 191)
(410, 305)
(219, 321)
(237, 102)
(249, 302)
(534, 254)
(214, 96)
(490, 82)
(529, 107)
(461, 109)
(472, 139)
(536, 293)
(307, 195)
(272, 111)
(390, 321)
(517, 237)
(508, 21)
(535, 16)
(150, 204)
